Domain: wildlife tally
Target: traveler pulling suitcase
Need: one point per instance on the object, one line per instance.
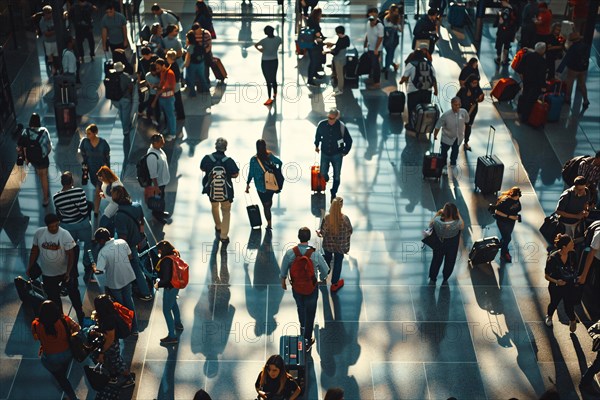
(396, 101)
(506, 89)
(65, 113)
(317, 181)
(424, 118)
(293, 352)
(218, 69)
(490, 170)
(539, 113)
(433, 164)
(31, 292)
(457, 15)
(484, 250)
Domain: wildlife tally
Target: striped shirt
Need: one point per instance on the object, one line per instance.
(71, 204)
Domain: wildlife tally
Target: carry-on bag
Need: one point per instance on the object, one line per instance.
(317, 181)
(364, 65)
(484, 250)
(555, 100)
(457, 14)
(490, 170)
(254, 216)
(539, 113)
(350, 77)
(396, 101)
(65, 112)
(31, 292)
(433, 163)
(424, 118)
(218, 69)
(293, 351)
(506, 89)
(551, 227)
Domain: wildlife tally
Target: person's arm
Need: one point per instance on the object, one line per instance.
(347, 140)
(33, 256)
(296, 393)
(318, 138)
(588, 263)
(285, 267)
(558, 282)
(104, 37)
(563, 202)
(321, 264)
(125, 39)
(187, 60)
(378, 44)
(109, 338)
(70, 261)
(250, 177)
(438, 125)
(107, 153)
(82, 151)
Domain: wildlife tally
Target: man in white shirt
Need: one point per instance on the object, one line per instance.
(159, 173)
(373, 41)
(164, 18)
(115, 259)
(452, 123)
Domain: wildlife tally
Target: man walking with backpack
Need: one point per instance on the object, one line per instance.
(218, 172)
(158, 169)
(81, 16)
(420, 76)
(120, 90)
(303, 263)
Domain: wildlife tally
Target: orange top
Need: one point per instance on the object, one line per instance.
(53, 344)
(167, 82)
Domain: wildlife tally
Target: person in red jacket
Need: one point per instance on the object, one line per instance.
(543, 22)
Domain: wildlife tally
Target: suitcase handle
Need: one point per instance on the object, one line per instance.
(491, 138)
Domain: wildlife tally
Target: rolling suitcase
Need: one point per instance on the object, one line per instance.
(433, 164)
(293, 352)
(218, 69)
(31, 292)
(364, 66)
(396, 101)
(65, 113)
(506, 89)
(317, 181)
(62, 83)
(539, 113)
(350, 77)
(490, 170)
(484, 250)
(424, 118)
(457, 14)
(254, 216)
(317, 204)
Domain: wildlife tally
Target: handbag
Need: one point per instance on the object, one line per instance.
(97, 376)
(594, 332)
(270, 179)
(551, 227)
(36, 271)
(431, 239)
(77, 343)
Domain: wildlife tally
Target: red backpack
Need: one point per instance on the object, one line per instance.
(302, 272)
(181, 273)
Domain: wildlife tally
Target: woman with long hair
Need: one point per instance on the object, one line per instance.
(37, 155)
(507, 211)
(470, 96)
(109, 355)
(274, 382)
(316, 57)
(95, 152)
(53, 329)
(336, 230)
(470, 68)
(262, 162)
(269, 62)
(561, 273)
(169, 307)
(392, 25)
(195, 64)
(108, 180)
(447, 224)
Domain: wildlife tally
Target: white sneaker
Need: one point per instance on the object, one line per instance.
(548, 321)
(337, 92)
(168, 138)
(445, 171)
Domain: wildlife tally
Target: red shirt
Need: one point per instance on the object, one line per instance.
(545, 17)
(167, 82)
(53, 344)
(580, 8)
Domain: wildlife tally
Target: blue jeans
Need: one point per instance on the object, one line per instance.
(167, 106)
(171, 309)
(140, 278)
(58, 365)
(389, 55)
(82, 231)
(123, 296)
(453, 154)
(196, 76)
(338, 259)
(307, 309)
(336, 162)
(124, 107)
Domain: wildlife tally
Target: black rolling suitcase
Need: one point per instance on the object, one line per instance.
(396, 101)
(484, 250)
(433, 164)
(350, 77)
(254, 216)
(490, 170)
(31, 292)
(65, 113)
(65, 83)
(293, 352)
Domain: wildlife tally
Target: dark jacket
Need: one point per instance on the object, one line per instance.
(207, 165)
(557, 270)
(166, 273)
(330, 135)
(577, 57)
(532, 64)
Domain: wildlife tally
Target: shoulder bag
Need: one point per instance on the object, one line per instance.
(270, 180)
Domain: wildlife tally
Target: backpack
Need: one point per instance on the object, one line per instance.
(173, 14)
(142, 171)
(217, 186)
(570, 170)
(33, 147)
(424, 78)
(181, 272)
(516, 62)
(589, 232)
(124, 320)
(197, 56)
(112, 86)
(302, 272)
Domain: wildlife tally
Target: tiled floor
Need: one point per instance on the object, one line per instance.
(386, 335)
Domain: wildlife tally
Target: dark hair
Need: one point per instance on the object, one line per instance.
(278, 362)
(471, 78)
(580, 180)
(155, 7)
(146, 50)
(472, 61)
(449, 212)
(69, 40)
(49, 314)
(120, 195)
(542, 4)
(110, 6)
(103, 304)
(598, 154)
(340, 29)
(201, 8)
(51, 219)
(162, 63)
(269, 31)
(34, 121)
(394, 19)
(157, 136)
(171, 28)
(191, 37)
(166, 248)
(261, 150)
(196, 26)
(372, 10)
(201, 395)
(334, 394)
(304, 234)
(315, 14)
(92, 128)
(550, 394)
(66, 178)
(432, 12)
(102, 234)
(155, 27)
(561, 240)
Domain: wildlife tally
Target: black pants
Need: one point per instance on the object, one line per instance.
(179, 111)
(446, 253)
(566, 294)
(528, 98)
(470, 124)
(415, 98)
(506, 227)
(269, 70)
(375, 67)
(82, 34)
(52, 288)
(315, 62)
(266, 198)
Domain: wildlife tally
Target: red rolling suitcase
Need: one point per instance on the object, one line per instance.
(539, 114)
(433, 164)
(506, 89)
(317, 181)
(490, 170)
(218, 69)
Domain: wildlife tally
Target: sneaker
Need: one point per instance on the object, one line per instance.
(573, 326)
(135, 333)
(128, 383)
(337, 92)
(179, 327)
(145, 298)
(467, 147)
(169, 138)
(225, 241)
(169, 340)
(309, 344)
(337, 286)
(548, 321)
(445, 171)
(497, 61)
(268, 102)
(432, 282)
(445, 282)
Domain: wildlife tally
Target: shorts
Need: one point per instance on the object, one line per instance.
(51, 49)
(43, 164)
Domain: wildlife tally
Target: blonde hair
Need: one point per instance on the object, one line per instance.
(172, 54)
(335, 218)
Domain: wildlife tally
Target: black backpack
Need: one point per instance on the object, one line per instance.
(197, 56)
(570, 170)
(142, 171)
(112, 86)
(424, 79)
(33, 147)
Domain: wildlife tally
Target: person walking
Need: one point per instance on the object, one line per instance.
(95, 152)
(470, 96)
(452, 123)
(528, 17)
(335, 141)
(158, 166)
(338, 50)
(173, 63)
(543, 22)
(590, 170)
(588, 384)
(48, 32)
(124, 103)
(555, 47)
(507, 28)
(219, 170)
(163, 17)
(269, 47)
(305, 303)
(35, 146)
(53, 248)
(573, 207)
(262, 162)
(372, 45)
(274, 382)
(71, 205)
(392, 26)
(108, 181)
(427, 28)
(508, 207)
(195, 64)
(447, 224)
(561, 272)
(53, 330)
(165, 97)
(166, 253)
(420, 77)
(315, 53)
(470, 68)
(204, 18)
(114, 30)
(576, 61)
(81, 15)
(114, 258)
(335, 230)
